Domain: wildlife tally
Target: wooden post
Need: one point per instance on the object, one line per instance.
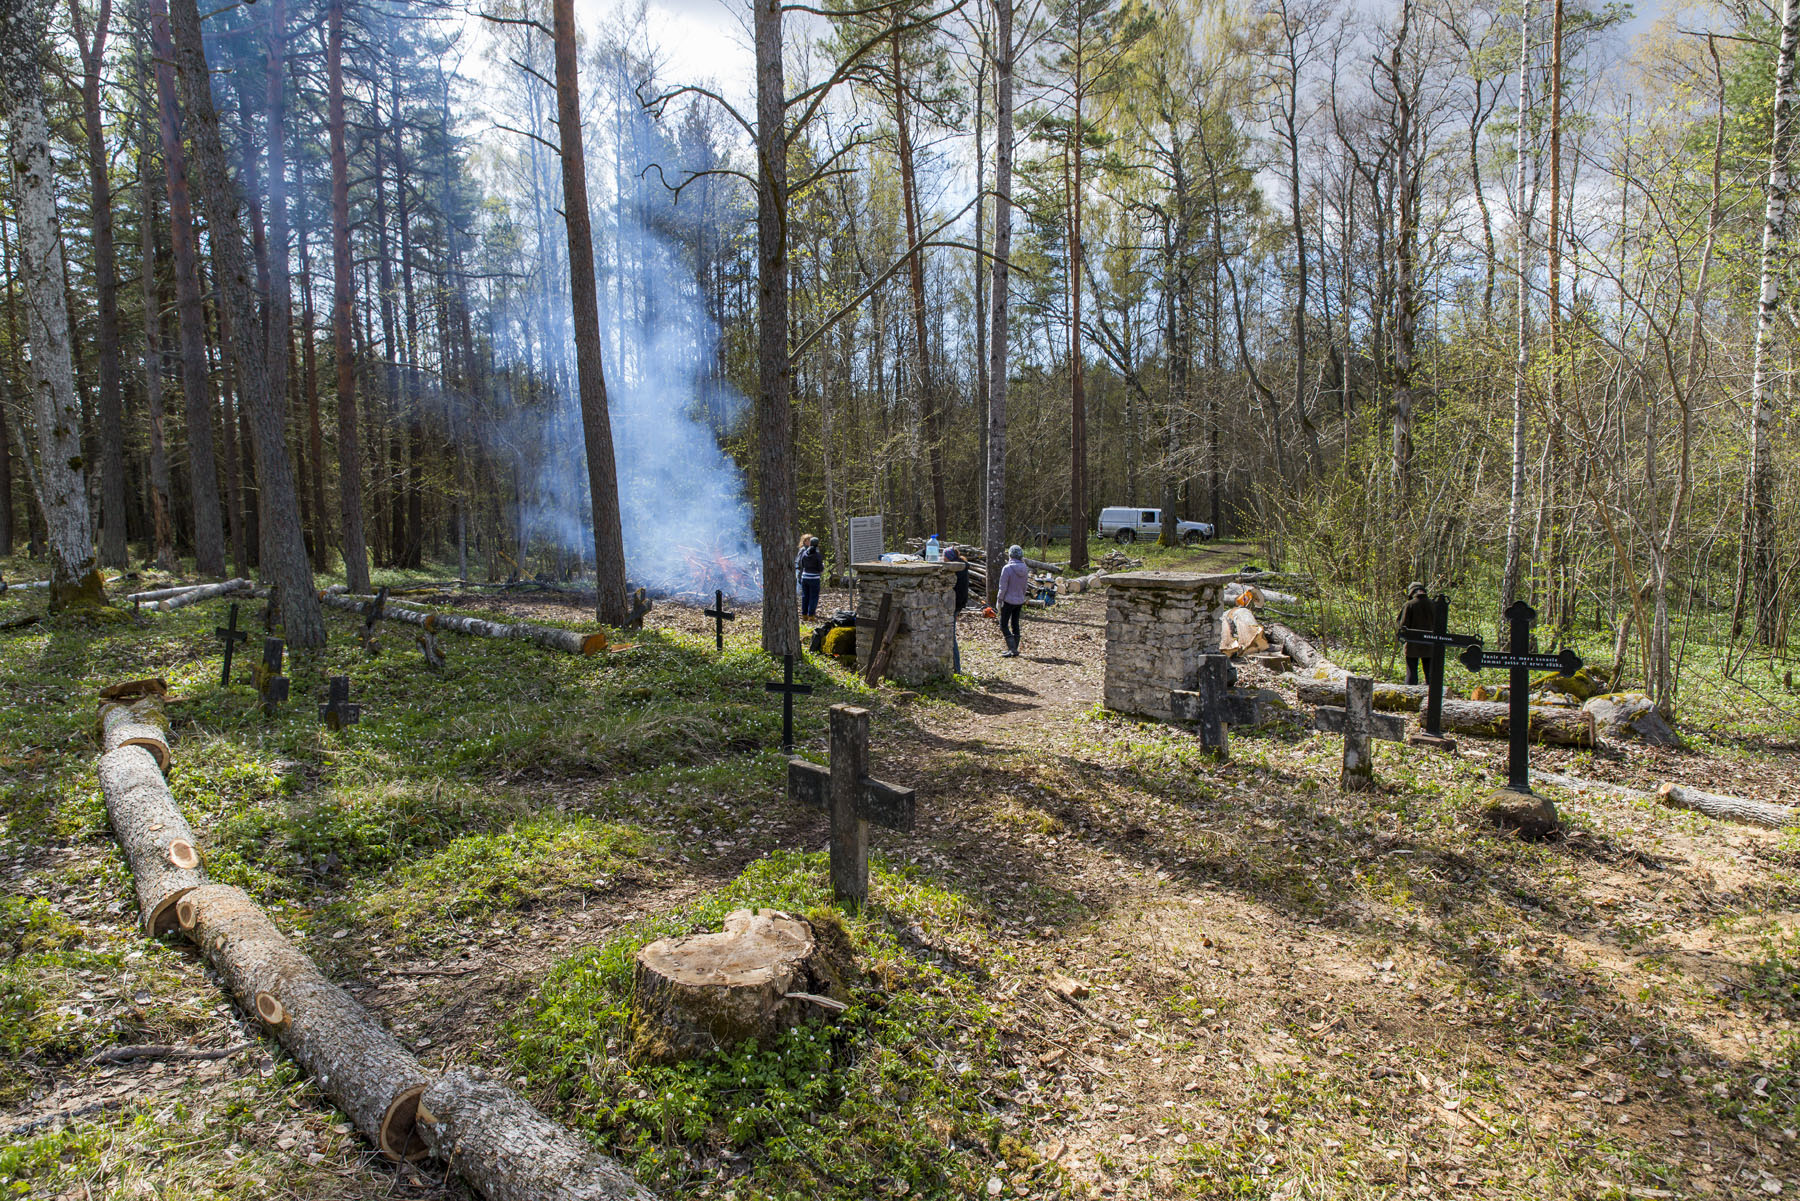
(849, 830)
(1359, 759)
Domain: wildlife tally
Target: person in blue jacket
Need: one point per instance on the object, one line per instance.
(809, 567)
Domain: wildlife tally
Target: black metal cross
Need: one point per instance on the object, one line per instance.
(271, 685)
(338, 712)
(373, 610)
(1521, 663)
(853, 799)
(1214, 704)
(720, 616)
(1439, 640)
(230, 635)
(789, 690)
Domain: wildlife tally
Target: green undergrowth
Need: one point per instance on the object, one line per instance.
(885, 1099)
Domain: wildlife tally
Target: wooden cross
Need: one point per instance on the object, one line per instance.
(1358, 722)
(1521, 663)
(434, 655)
(1215, 704)
(337, 712)
(853, 799)
(271, 614)
(720, 616)
(789, 690)
(271, 685)
(640, 609)
(373, 610)
(230, 635)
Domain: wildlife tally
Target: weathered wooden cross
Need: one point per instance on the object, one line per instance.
(271, 614)
(789, 690)
(230, 635)
(434, 655)
(1521, 663)
(1215, 704)
(640, 609)
(853, 799)
(720, 616)
(337, 712)
(373, 610)
(1439, 639)
(271, 685)
(1358, 722)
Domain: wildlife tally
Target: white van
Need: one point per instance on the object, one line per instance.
(1128, 525)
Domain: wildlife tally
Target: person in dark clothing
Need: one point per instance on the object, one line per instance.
(960, 593)
(1417, 614)
(1014, 586)
(809, 566)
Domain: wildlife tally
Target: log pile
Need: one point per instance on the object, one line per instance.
(553, 638)
(488, 1134)
(163, 600)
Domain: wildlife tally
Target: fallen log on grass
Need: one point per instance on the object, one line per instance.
(156, 594)
(194, 596)
(1727, 808)
(159, 847)
(140, 723)
(1391, 698)
(573, 642)
(1491, 719)
(496, 1141)
(1307, 657)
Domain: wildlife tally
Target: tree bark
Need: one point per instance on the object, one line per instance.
(279, 332)
(350, 494)
(62, 492)
(279, 512)
(158, 845)
(203, 470)
(775, 509)
(1078, 440)
(106, 286)
(995, 548)
(161, 518)
(138, 723)
(1511, 570)
(590, 375)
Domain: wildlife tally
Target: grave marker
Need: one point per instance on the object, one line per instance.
(271, 685)
(853, 799)
(230, 635)
(434, 655)
(1439, 640)
(337, 712)
(271, 614)
(373, 610)
(1358, 722)
(789, 690)
(720, 616)
(1215, 704)
(1521, 664)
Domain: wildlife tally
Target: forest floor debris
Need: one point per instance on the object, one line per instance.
(1103, 965)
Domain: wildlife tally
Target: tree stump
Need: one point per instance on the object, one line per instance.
(766, 972)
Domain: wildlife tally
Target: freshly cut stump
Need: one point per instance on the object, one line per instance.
(159, 847)
(493, 1138)
(763, 974)
(359, 1065)
(136, 723)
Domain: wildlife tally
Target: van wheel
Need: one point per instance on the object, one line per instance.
(1124, 536)
(1192, 538)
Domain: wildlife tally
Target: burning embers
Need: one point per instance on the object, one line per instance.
(694, 573)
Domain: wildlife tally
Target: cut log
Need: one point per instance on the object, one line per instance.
(1308, 657)
(158, 846)
(136, 723)
(707, 991)
(156, 594)
(572, 642)
(496, 1141)
(131, 690)
(1485, 719)
(360, 1066)
(1727, 808)
(194, 596)
(1389, 698)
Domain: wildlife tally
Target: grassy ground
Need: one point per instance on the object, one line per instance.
(1284, 991)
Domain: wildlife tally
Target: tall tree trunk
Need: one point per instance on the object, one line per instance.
(6, 484)
(286, 564)
(62, 493)
(982, 394)
(350, 482)
(190, 315)
(278, 346)
(1078, 441)
(1515, 508)
(163, 528)
(997, 341)
(1758, 576)
(309, 372)
(915, 267)
(590, 374)
(106, 286)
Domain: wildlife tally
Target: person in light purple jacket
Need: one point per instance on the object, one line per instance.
(1015, 586)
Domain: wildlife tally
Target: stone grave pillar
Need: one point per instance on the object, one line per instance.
(1159, 626)
(923, 593)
